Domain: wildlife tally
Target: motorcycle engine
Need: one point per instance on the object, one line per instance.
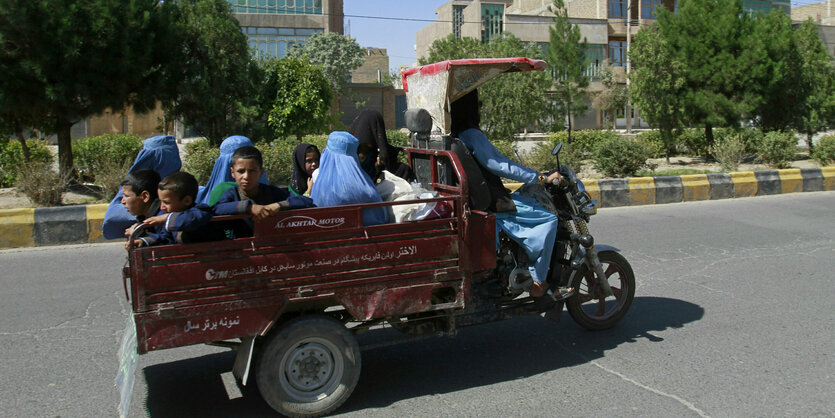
(512, 267)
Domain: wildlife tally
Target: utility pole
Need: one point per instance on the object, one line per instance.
(628, 64)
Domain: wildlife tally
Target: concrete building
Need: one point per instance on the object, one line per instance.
(822, 14)
(274, 26)
(602, 22)
(371, 88)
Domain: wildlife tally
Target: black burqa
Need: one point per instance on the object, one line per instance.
(464, 114)
(298, 176)
(370, 129)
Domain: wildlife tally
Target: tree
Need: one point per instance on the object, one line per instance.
(612, 96)
(336, 54)
(773, 64)
(452, 48)
(509, 103)
(302, 97)
(566, 57)
(65, 61)
(707, 38)
(817, 110)
(216, 86)
(657, 85)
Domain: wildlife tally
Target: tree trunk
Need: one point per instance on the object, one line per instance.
(809, 135)
(65, 163)
(709, 141)
(23, 145)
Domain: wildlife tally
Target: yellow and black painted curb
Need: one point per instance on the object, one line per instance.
(59, 225)
(82, 224)
(635, 191)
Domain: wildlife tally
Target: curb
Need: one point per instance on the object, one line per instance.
(81, 224)
(636, 191)
(78, 224)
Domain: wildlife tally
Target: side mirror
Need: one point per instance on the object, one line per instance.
(557, 149)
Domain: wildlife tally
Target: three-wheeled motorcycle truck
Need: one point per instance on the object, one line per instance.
(291, 298)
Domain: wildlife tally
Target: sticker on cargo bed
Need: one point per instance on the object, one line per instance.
(301, 221)
(212, 325)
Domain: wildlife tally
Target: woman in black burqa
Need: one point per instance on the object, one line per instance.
(305, 161)
(375, 152)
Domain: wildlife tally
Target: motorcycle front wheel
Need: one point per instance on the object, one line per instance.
(587, 307)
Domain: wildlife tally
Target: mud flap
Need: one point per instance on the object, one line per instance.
(243, 360)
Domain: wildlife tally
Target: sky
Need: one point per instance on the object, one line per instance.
(389, 24)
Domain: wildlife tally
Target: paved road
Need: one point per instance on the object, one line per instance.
(733, 317)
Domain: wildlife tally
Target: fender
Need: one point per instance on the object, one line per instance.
(600, 248)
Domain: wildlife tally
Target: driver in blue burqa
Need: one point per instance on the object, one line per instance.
(519, 216)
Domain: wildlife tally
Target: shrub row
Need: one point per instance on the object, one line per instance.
(824, 151)
(12, 161)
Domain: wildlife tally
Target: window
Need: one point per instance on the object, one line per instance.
(266, 43)
(617, 53)
(617, 9)
(457, 20)
(648, 8)
(278, 7)
(492, 20)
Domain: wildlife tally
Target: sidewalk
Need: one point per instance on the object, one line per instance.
(82, 223)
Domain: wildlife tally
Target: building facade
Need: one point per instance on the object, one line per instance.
(822, 14)
(603, 23)
(274, 26)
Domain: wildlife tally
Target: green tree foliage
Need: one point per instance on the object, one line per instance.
(658, 84)
(65, 61)
(710, 39)
(515, 101)
(773, 66)
(337, 55)
(302, 98)
(817, 109)
(452, 48)
(216, 87)
(566, 58)
(510, 103)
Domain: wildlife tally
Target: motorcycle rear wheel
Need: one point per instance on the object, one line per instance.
(587, 308)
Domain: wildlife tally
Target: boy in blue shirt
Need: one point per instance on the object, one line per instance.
(179, 219)
(249, 197)
(139, 196)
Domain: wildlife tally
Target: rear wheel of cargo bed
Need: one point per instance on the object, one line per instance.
(308, 367)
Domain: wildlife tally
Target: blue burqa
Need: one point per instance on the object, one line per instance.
(531, 226)
(222, 171)
(341, 180)
(160, 154)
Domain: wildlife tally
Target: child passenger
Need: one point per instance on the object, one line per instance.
(179, 219)
(220, 172)
(159, 153)
(139, 196)
(249, 197)
(305, 161)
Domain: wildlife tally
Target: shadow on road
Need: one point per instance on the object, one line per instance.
(478, 356)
